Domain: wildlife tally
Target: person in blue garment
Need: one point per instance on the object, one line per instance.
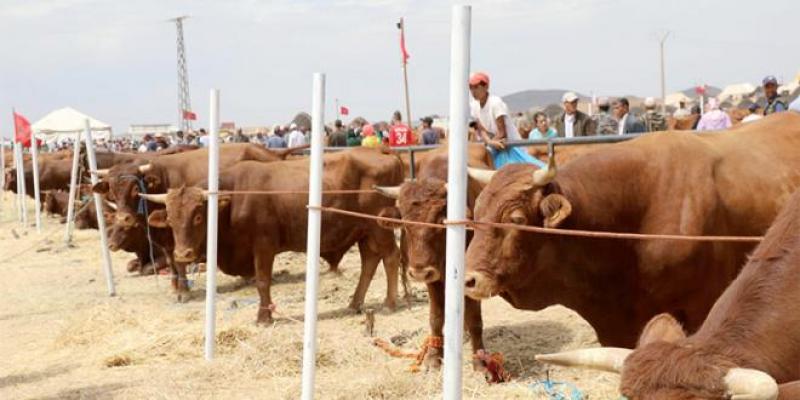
(493, 124)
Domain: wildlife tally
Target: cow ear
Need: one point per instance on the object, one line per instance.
(555, 209)
(158, 219)
(390, 212)
(661, 328)
(101, 187)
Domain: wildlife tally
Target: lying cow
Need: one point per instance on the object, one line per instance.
(749, 341)
(123, 182)
(254, 228)
(425, 200)
(728, 183)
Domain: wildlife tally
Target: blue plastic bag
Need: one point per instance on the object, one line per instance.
(513, 155)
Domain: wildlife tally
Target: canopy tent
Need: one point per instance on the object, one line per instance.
(674, 99)
(65, 122)
(735, 93)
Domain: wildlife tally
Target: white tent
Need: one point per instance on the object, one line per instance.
(65, 122)
(674, 99)
(737, 92)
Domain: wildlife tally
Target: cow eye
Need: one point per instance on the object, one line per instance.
(198, 219)
(518, 217)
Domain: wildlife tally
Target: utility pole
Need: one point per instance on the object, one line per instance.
(663, 85)
(404, 54)
(184, 101)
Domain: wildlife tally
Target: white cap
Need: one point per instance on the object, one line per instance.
(293, 126)
(649, 102)
(569, 97)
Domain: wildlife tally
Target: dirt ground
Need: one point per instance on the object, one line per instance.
(63, 337)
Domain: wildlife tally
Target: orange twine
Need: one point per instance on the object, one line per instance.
(495, 373)
(431, 342)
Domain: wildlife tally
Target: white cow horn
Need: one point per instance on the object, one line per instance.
(145, 168)
(481, 175)
(542, 177)
(392, 192)
(102, 172)
(111, 205)
(608, 359)
(155, 198)
(750, 384)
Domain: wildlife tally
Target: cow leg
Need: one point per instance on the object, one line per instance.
(473, 324)
(181, 283)
(391, 264)
(369, 263)
(134, 265)
(433, 357)
(404, 267)
(263, 266)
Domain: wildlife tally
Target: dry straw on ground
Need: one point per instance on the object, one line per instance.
(64, 338)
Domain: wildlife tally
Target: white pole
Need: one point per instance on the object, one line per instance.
(314, 230)
(35, 163)
(24, 193)
(456, 200)
(211, 233)
(73, 187)
(18, 167)
(98, 205)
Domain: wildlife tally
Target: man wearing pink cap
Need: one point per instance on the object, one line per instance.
(493, 125)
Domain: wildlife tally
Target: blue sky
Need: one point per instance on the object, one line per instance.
(115, 60)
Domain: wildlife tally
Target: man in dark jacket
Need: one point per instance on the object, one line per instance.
(571, 122)
(339, 136)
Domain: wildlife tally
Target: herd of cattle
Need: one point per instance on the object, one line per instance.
(739, 304)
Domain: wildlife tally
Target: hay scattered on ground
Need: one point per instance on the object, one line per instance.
(65, 338)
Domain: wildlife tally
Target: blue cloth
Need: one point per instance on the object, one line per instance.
(513, 155)
(535, 134)
(276, 142)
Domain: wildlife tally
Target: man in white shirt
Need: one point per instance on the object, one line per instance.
(296, 137)
(627, 123)
(573, 122)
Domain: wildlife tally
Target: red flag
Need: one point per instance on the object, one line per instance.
(22, 130)
(403, 50)
(700, 90)
(344, 110)
(189, 115)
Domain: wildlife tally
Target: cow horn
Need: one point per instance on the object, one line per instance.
(481, 175)
(155, 198)
(750, 384)
(542, 177)
(102, 172)
(608, 359)
(145, 168)
(111, 205)
(392, 192)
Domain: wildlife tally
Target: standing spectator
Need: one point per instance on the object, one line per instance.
(654, 121)
(494, 125)
(571, 122)
(181, 140)
(160, 142)
(339, 136)
(296, 137)
(429, 135)
(542, 129)
(276, 141)
(369, 137)
(240, 137)
(259, 139)
(714, 119)
(628, 123)
(145, 147)
(774, 102)
(696, 114)
(399, 133)
(202, 140)
(754, 115)
(604, 122)
(524, 127)
(354, 137)
(682, 111)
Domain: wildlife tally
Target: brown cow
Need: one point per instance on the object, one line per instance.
(683, 123)
(749, 341)
(123, 182)
(425, 200)
(254, 228)
(730, 183)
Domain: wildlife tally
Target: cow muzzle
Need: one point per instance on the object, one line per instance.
(479, 286)
(427, 274)
(185, 255)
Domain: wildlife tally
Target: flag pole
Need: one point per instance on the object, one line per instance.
(402, 26)
(337, 109)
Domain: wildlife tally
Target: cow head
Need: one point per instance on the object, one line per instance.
(518, 194)
(421, 201)
(11, 179)
(122, 186)
(186, 215)
(667, 365)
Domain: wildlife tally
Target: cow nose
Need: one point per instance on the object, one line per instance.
(479, 286)
(469, 282)
(425, 274)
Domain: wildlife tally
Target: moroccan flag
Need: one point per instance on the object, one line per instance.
(189, 115)
(403, 50)
(344, 110)
(700, 90)
(22, 130)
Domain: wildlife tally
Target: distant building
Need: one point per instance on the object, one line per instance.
(139, 130)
